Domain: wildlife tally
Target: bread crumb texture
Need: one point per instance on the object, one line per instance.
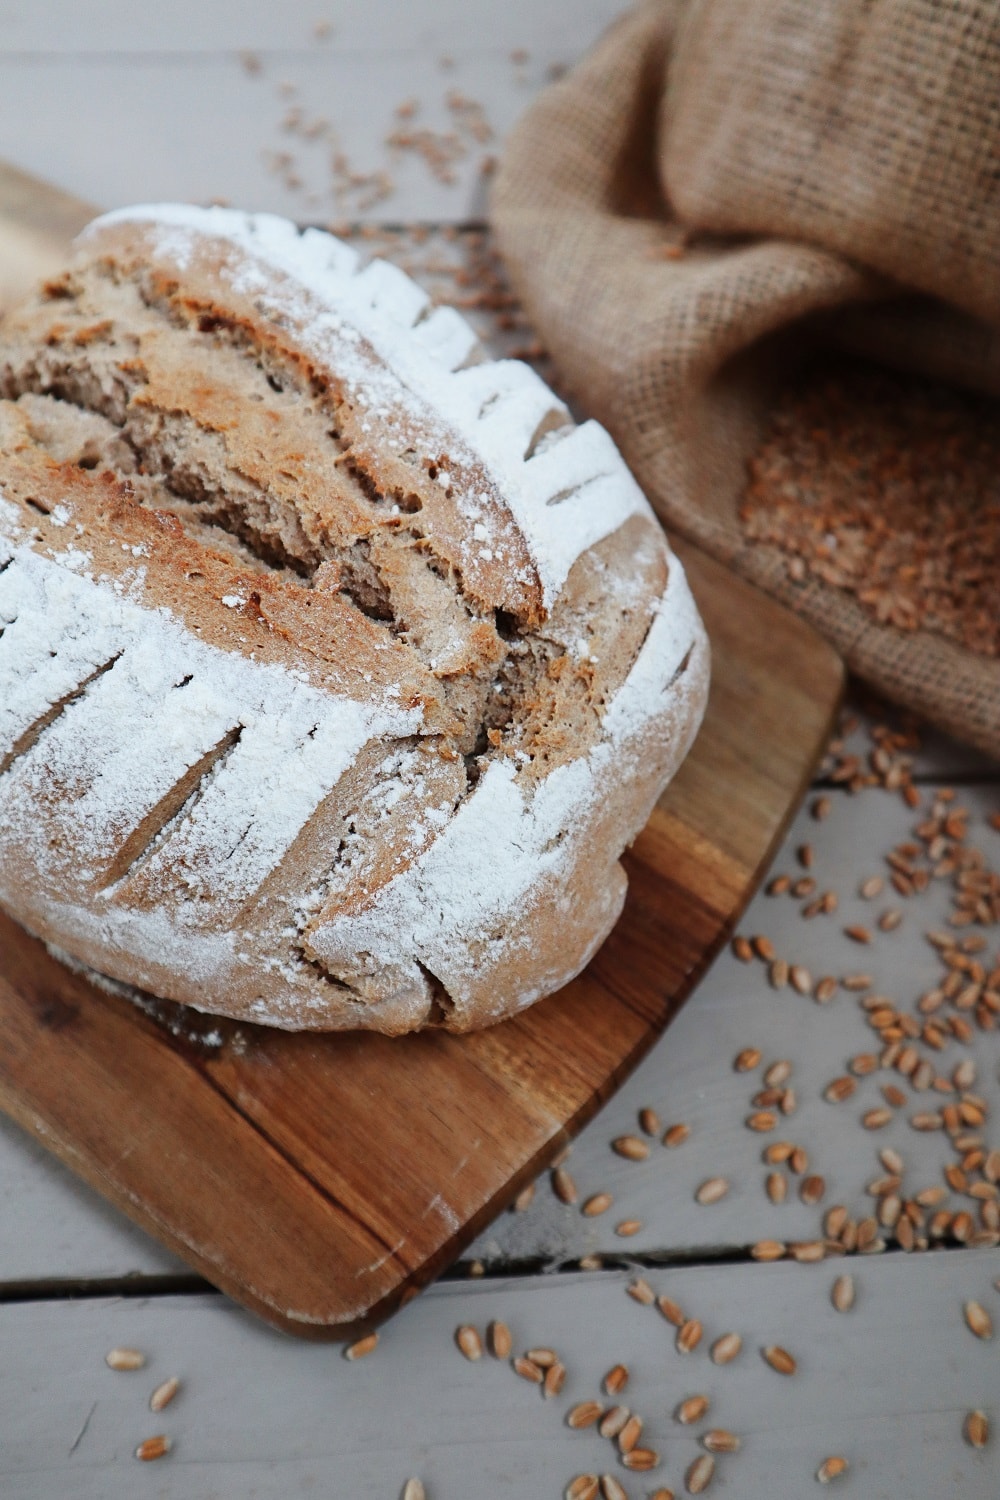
(337, 664)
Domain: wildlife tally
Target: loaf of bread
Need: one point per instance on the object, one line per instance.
(337, 665)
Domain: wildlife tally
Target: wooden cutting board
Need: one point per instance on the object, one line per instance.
(322, 1180)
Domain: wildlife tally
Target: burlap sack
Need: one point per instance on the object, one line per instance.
(839, 165)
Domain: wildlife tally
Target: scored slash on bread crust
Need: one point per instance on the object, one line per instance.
(337, 666)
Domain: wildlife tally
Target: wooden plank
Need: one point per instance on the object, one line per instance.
(332, 1121)
(886, 1386)
(175, 126)
(449, 26)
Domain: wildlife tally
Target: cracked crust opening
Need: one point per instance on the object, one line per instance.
(335, 672)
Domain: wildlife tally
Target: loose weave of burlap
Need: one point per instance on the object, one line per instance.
(831, 169)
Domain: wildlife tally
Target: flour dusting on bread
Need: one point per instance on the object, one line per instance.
(497, 408)
(336, 667)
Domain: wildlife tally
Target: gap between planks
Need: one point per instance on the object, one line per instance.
(142, 1287)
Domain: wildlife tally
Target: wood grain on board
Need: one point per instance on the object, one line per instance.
(319, 1180)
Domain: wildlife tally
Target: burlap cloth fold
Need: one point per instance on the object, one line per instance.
(833, 170)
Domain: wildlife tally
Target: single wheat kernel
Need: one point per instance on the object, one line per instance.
(812, 1189)
(468, 1340)
(613, 1421)
(712, 1191)
(564, 1186)
(630, 1434)
(699, 1475)
(597, 1203)
(500, 1340)
(979, 1320)
(641, 1460)
(726, 1348)
(747, 1059)
(720, 1440)
(689, 1336)
(777, 1187)
(668, 1307)
(583, 1487)
(779, 1359)
(843, 1293)
(153, 1447)
(543, 1357)
(692, 1410)
(631, 1147)
(836, 1219)
(808, 1251)
(831, 1468)
(164, 1393)
(361, 1347)
(584, 1414)
(977, 1429)
(125, 1359)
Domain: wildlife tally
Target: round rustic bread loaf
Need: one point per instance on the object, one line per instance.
(337, 666)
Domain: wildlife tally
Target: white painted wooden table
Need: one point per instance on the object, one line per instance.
(276, 108)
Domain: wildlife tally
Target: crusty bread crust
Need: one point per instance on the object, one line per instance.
(337, 667)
